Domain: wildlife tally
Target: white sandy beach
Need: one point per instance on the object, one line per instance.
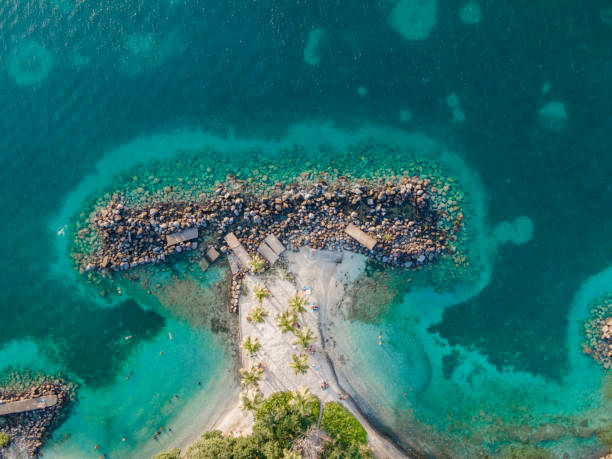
(327, 274)
(200, 416)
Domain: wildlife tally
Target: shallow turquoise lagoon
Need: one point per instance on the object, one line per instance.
(518, 95)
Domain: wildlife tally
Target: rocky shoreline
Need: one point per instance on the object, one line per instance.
(29, 430)
(401, 215)
(598, 331)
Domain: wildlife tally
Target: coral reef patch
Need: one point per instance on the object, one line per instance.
(28, 63)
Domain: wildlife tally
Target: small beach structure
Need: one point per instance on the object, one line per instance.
(31, 404)
(212, 254)
(271, 248)
(203, 264)
(233, 263)
(269, 254)
(361, 237)
(274, 244)
(181, 236)
(238, 249)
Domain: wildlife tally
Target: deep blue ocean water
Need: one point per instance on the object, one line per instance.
(113, 71)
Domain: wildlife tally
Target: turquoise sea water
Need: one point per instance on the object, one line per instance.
(81, 82)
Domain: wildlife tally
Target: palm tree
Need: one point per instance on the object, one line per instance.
(304, 337)
(251, 344)
(250, 376)
(260, 292)
(251, 399)
(290, 454)
(257, 314)
(299, 363)
(257, 264)
(301, 400)
(285, 321)
(297, 303)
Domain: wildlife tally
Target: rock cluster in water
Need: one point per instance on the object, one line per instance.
(401, 215)
(30, 429)
(599, 332)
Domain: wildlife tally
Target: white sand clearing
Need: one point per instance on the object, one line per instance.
(327, 274)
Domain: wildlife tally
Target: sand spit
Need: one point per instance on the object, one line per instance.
(322, 276)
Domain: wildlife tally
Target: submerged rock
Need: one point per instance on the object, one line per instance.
(414, 19)
(470, 13)
(28, 63)
(312, 52)
(553, 116)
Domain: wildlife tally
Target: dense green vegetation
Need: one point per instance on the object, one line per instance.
(5, 439)
(281, 421)
(341, 425)
(174, 453)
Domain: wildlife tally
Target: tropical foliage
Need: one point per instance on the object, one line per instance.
(174, 453)
(297, 303)
(260, 292)
(251, 399)
(280, 431)
(299, 363)
(250, 376)
(257, 264)
(5, 439)
(257, 314)
(302, 400)
(334, 450)
(290, 454)
(251, 344)
(276, 417)
(285, 321)
(304, 337)
(340, 423)
(212, 445)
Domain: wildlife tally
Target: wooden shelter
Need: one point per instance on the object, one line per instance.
(181, 236)
(360, 236)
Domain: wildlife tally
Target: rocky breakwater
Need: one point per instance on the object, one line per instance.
(401, 214)
(598, 332)
(27, 431)
(131, 237)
